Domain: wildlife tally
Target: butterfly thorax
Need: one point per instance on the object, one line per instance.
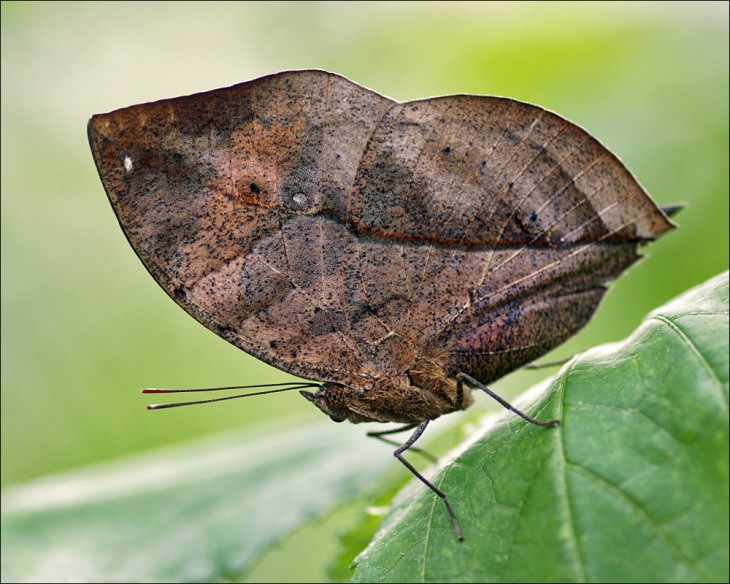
(424, 392)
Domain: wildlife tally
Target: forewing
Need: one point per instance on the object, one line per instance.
(230, 199)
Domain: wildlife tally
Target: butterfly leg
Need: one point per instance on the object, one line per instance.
(399, 455)
(459, 400)
(380, 433)
(471, 381)
(544, 364)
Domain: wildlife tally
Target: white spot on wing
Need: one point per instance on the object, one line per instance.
(128, 166)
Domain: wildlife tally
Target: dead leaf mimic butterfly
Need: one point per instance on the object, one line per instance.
(396, 253)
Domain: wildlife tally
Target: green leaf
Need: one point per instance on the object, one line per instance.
(194, 513)
(632, 486)
(354, 540)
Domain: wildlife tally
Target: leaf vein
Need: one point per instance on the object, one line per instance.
(578, 560)
(700, 357)
(638, 508)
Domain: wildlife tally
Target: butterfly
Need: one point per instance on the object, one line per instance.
(398, 254)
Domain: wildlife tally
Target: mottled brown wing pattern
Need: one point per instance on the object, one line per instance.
(339, 235)
(229, 199)
(511, 220)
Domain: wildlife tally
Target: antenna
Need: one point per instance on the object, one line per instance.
(281, 387)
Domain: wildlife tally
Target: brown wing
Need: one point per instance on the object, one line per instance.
(509, 220)
(337, 234)
(228, 198)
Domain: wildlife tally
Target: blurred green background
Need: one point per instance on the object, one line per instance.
(83, 324)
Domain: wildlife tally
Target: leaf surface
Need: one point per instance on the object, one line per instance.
(193, 513)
